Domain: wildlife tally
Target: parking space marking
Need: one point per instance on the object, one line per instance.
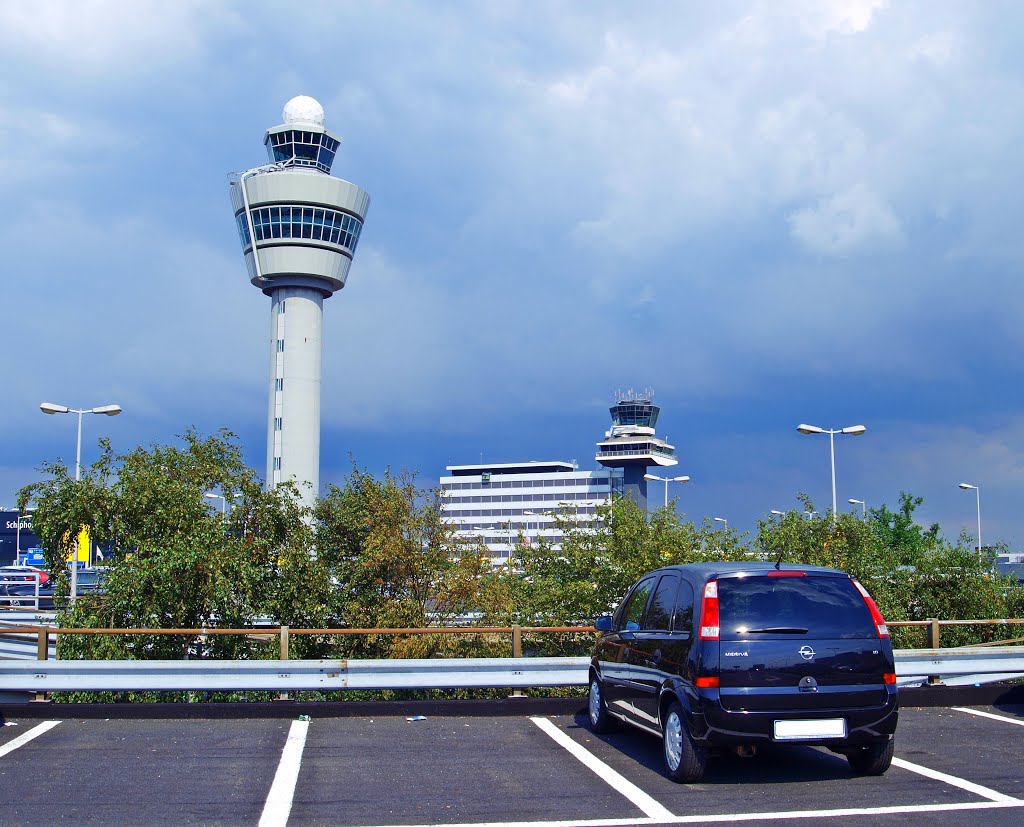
(24, 738)
(981, 714)
(849, 812)
(651, 808)
(282, 791)
(969, 786)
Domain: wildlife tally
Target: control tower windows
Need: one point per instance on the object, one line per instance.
(302, 148)
(313, 223)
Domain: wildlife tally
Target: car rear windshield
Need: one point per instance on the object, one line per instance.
(760, 606)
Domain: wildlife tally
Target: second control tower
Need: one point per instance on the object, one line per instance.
(299, 227)
(631, 444)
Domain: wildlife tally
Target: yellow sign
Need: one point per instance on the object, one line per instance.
(82, 547)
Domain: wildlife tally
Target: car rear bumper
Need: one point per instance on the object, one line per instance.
(714, 725)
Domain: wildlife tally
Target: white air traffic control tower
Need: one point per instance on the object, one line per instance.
(299, 228)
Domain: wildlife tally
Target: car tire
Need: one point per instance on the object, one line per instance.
(685, 761)
(600, 719)
(871, 760)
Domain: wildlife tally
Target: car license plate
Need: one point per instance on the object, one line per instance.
(806, 730)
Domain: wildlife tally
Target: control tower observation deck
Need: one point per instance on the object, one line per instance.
(630, 444)
(299, 227)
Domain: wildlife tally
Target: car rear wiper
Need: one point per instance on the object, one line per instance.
(781, 630)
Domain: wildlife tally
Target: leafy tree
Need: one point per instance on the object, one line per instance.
(393, 563)
(898, 531)
(176, 563)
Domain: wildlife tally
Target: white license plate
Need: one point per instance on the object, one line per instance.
(805, 730)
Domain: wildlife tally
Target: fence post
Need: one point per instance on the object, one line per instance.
(284, 656)
(933, 633)
(517, 652)
(42, 653)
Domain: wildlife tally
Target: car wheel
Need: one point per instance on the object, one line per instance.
(871, 760)
(685, 761)
(597, 709)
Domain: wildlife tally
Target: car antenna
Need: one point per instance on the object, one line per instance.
(779, 561)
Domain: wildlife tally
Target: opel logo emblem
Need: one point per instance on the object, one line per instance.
(806, 652)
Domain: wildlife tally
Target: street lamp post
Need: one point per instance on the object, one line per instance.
(966, 486)
(667, 480)
(108, 410)
(852, 430)
(778, 513)
(722, 520)
(17, 533)
(862, 504)
(223, 502)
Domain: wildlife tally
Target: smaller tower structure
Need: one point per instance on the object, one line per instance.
(631, 445)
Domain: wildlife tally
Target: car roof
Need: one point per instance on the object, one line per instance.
(705, 571)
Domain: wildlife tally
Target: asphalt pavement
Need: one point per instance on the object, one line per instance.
(952, 764)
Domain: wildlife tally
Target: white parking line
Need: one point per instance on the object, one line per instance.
(650, 807)
(282, 791)
(24, 738)
(981, 714)
(969, 786)
(850, 812)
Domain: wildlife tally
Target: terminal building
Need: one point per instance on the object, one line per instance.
(500, 503)
(16, 535)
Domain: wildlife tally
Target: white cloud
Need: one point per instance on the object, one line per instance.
(845, 222)
(105, 36)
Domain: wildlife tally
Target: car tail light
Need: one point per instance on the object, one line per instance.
(876, 616)
(706, 683)
(709, 626)
(889, 677)
(780, 573)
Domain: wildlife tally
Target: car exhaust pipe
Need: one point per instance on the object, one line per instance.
(746, 750)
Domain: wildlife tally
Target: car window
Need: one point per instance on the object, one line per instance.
(633, 610)
(659, 615)
(826, 607)
(683, 621)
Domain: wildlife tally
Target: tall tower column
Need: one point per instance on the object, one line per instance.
(299, 227)
(293, 416)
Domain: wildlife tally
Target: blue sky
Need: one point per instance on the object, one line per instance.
(770, 212)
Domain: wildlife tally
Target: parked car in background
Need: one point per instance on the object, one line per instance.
(735, 656)
(27, 595)
(14, 580)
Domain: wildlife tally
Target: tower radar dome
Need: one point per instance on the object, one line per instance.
(303, 109)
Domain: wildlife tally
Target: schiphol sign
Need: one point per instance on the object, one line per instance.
(15, 532)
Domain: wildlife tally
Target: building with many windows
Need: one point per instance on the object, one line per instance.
(498, 503)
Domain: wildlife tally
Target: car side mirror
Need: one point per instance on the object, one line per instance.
(603, 623)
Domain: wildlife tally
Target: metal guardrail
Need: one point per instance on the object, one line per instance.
(913, 666)
(289, 675)
(966, 665)
(977, 664)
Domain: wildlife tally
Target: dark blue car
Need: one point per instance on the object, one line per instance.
(740, 655)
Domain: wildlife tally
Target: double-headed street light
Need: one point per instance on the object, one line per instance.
(108, 410)
(966, 486)
(852, 430)
(666, 480)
